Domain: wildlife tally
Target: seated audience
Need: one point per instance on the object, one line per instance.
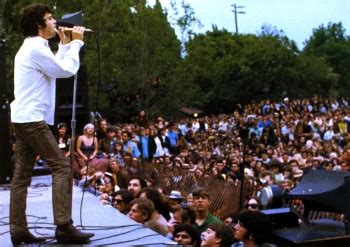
(121, 200)
(116, 169)
(87, 148)
(106, 189)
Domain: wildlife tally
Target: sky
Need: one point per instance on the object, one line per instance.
(297, 18)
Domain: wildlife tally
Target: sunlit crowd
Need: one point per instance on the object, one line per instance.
(265, 143)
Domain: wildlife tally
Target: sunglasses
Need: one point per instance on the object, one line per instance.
(107, 181)
(117, 201)
(252, 205)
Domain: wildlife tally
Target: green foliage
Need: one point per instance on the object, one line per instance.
(139, 51)
(186, 22)
(331, 44)
(142, 68)
(230, 69)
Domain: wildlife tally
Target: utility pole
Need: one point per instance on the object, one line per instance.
(235, 10)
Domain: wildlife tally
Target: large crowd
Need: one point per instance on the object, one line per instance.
(265, 143)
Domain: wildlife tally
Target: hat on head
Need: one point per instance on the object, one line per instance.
(175, 195)
(89, 125)
(108, 174)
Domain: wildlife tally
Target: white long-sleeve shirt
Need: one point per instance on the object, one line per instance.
(36, 70)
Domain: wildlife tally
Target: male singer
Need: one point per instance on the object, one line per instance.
(36, 69)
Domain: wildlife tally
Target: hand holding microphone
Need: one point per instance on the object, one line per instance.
(87, 30)
(68, 34)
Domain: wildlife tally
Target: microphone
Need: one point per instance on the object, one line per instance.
(87, 30)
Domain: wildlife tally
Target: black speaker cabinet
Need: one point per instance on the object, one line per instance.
(5, 166)
(3, 82)
(282, 217)
(64, 100)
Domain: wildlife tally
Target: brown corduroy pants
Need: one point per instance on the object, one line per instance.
(34, 139)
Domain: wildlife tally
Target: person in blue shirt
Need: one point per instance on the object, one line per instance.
(130, 146)
(173, 136)
(144, 144)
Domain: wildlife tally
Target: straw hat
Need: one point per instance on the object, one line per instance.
(175, 195)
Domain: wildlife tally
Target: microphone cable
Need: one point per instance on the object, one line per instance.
(86, 177)
(84, 189)
(89, 155)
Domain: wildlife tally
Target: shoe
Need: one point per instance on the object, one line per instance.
(68, 234)
(25, 238)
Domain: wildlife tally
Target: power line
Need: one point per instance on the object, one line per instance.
(235, 11)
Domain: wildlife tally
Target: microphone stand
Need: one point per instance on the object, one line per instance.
(72, 143)
(73, 121)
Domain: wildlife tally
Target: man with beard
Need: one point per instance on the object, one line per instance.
(135, 185)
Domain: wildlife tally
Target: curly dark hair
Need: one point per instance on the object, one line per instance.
(159, 204)
(31, 17)
(258, 225)
(223, 232)
(126, 195)
(191, 231)
(142, 181)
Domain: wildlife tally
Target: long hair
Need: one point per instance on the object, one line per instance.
(159, 204)
(31, 17)
(66, 136)
(258, 225)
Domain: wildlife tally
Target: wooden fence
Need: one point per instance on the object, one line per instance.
(225, 196)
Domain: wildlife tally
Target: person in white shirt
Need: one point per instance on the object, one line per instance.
(36, 69)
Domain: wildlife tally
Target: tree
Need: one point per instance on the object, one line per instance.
(142, 68)
(331, 44)
(186, 22)
(139, 51)
(240, 68)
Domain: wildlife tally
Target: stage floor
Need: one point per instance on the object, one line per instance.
(110, 226)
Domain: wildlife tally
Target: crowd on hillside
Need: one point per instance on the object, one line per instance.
(275, 141)
(267, 143)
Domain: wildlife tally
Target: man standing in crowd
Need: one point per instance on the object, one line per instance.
(201, 203)
(164, 140)
(36, 69)
(144, 144)
(173, 138)
(130, 146)
(102, 129)
(106, 144)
